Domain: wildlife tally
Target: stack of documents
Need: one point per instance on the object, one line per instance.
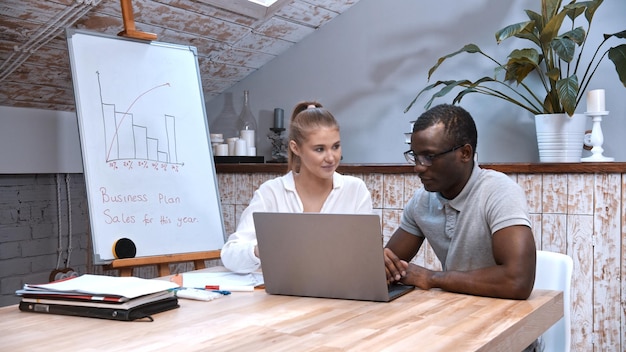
(100, 296)
(228, 281)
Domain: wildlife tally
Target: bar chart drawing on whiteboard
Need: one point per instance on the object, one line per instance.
(128, 140)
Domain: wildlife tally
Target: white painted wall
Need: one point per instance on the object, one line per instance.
(36, 141)
(366, 65)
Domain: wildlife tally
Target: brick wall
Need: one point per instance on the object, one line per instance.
(29, 229)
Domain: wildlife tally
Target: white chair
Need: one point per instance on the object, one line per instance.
(554, 272)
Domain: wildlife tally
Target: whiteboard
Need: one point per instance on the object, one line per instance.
(146, 153)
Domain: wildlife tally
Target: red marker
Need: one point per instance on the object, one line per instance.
(232, 288)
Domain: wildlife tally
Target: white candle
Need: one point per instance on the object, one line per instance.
(241, 147)
(595, 100)
(231, 145)
(221, 150)
(248, 136)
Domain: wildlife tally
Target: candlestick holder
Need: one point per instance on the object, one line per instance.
(279, 146)
(596, 139)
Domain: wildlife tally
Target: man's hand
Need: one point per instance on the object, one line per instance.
(419, 277)
(394, 267)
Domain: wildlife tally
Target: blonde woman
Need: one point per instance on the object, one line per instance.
(311, 185)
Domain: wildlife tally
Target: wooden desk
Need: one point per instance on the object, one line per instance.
(421, 320)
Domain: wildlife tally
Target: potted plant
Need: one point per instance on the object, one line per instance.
(554, 60)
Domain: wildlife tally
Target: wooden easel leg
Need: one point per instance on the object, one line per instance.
(164, 269)
(199, 264)
(129, 23)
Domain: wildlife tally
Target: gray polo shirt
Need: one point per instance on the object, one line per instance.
(460, 229)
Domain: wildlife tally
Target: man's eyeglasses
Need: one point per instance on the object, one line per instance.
(426, 160)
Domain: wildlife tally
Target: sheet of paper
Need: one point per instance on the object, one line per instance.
(130, 287)
(200, 280)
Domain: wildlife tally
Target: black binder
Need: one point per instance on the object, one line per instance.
(143, 311)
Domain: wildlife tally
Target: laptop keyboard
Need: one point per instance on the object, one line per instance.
(398, 289)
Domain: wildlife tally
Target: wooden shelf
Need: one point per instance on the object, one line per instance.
(525, 168)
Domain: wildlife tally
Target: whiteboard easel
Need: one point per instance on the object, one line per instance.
(146, 153)
(125, 266)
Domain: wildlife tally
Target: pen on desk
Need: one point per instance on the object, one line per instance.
(229, 288)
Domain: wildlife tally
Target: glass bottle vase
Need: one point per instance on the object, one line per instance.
(247, 123)
(226, 121)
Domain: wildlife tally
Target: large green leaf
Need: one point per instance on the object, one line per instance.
(618, 56)
(463, 93)
(469, 48)
(551, 30)
(425, 89)
(518, 70)
(567, 89)
(529, 54)
(575, 9)
(536, 18)
(549, 8)
(564, 48)
(591, 9)
(553, 74)
(513, 30)
(448, 86)
(520, 64)
(577, 35)
(621, 34)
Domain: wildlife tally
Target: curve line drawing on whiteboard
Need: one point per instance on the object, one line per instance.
(132, 143)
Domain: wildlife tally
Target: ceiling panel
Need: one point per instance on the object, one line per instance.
(233, 37)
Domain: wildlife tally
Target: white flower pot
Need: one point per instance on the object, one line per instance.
(560, 137)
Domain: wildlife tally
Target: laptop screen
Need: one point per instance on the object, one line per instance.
(322, 255)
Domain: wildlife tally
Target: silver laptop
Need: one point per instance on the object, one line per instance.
(324, 255)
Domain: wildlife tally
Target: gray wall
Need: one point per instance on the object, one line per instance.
(367, 65)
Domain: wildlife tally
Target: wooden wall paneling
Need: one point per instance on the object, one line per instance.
(430, 258)
(623, 257)
(258, 180)
(230, 220)
(412, 183)
(532, 185)
(390, 222)
(606, 285)
(554, 193)
(580, 249)
(513, 177)
(554, 233)
(535, 223)
(374, 183)
(580, 189)
(227, 184)
(393, 191)
(244, 188)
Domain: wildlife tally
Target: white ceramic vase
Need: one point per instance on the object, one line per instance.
(560, 137)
